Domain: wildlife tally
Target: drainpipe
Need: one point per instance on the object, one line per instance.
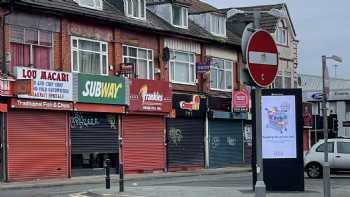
(3, 21)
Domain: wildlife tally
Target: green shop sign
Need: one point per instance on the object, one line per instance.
(102, 89)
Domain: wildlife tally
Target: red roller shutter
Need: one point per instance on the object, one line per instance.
(38, 147)
(143, 145)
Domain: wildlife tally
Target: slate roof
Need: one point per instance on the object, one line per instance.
(114, 15)
(268, 22)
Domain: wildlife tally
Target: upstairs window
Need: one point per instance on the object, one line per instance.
(31, 47)
(221, 74)
(89, 56)
(218, 25)
(136, 8)
(93, 4)
(179, 16)
(282, 33)
(182, 67)
(142, 59)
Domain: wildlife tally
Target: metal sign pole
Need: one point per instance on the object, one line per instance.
(260, 188)
(326, 170)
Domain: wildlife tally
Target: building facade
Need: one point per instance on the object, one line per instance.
(145, 84)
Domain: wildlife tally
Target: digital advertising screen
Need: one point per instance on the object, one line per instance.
(278, 127)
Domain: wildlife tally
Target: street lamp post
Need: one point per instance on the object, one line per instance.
(326, 169)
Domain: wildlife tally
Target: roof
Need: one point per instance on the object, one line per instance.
(114, 14)
(201, 7)
(268, 22)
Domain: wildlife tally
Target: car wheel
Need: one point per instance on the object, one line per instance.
(314, 170)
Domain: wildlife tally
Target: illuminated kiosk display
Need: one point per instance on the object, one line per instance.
(282, 139)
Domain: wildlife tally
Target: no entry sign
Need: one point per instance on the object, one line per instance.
(262, 58)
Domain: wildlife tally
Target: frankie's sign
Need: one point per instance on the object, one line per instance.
(150, 96)
(48, 84)
(101, 89)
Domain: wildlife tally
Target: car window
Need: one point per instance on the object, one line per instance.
(320, 148)
(343, 147)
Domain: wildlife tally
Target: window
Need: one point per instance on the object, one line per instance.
(278, 83)
(179, 16)
(218, 25)
(89, 56)
(221, 74)
(347, 106)
(288, 82)
(31, 47)
(182, 67)
(142, 59)
(343, 147)
(135, 8)
(94, 4)
(320, 148)
(281, 33)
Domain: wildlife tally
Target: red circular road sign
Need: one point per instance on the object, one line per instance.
(262, 58)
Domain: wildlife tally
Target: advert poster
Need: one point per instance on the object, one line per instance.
(150, 96)
(278, 127)
(48, 84)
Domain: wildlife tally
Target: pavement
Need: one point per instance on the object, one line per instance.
(223, 183)
(86, 180)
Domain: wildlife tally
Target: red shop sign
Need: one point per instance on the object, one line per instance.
(240, 100)
(150, 96)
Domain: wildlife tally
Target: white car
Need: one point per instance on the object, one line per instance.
(338, 157)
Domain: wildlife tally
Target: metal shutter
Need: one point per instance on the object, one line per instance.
(94, 132)
(143, 148)
(225, 143)
(185, 143)
(37, 145)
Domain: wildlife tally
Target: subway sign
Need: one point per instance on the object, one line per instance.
(101, 89)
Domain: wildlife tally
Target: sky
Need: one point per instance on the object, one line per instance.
(322, 27)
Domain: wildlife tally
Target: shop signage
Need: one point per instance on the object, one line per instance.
(346, 123)
(6, 87)
(48, 84)
(189, 105)
(219, 103)
(102, 89)
(41, 104)
(202, 68)
(150, 96)
(307, 115)
(240, 100)
(127, 69)
(316, 96)
(24, 86)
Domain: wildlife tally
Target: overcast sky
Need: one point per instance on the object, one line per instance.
(322, 27)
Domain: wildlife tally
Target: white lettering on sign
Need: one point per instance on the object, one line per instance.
(48, 84)
(101, 89)
(263, 58)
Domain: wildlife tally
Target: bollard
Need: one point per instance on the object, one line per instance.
(121, 178)
(108, 173)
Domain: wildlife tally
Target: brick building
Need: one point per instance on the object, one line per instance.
(146, 84)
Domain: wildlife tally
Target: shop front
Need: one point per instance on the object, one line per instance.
(144, 126)
(95, 122)
(225, 134)
(185, 132)
(37, 126)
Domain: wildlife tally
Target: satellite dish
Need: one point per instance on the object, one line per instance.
(248, 31)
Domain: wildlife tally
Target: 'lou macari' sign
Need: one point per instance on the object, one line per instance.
(48, 84)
